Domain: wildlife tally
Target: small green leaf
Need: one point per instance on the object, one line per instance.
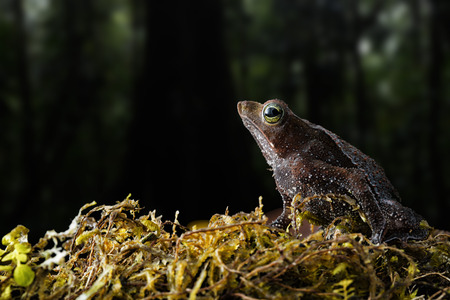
(9, 256)
(151, 226)
(412, 269)
(20, 257)
(85, 236)
(6, 293)
(342, 267)
(18, 233)
(23, 275)
(6, 268)
(23, 247)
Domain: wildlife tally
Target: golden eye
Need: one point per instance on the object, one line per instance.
(272, 113)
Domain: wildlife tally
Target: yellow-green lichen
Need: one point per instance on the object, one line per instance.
(14, 267)
(114, 252)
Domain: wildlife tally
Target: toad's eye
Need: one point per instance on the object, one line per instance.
(272, 113)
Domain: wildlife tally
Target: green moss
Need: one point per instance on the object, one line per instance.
(14, 268)
(112, 252)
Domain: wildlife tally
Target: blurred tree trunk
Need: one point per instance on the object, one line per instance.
(182, 105)
(439, 12)
(28, 167)
(417, 111)
(364, 115)
(76, 89)
(68, 99)
(322, 57)
(239, 26)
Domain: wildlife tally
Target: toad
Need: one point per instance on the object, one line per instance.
(312, 162)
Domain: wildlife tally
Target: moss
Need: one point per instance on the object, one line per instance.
(115, 252)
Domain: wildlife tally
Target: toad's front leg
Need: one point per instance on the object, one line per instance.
(283, 220)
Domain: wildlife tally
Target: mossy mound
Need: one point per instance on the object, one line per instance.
(112, 252)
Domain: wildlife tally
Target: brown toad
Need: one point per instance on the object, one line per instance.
(309, 160)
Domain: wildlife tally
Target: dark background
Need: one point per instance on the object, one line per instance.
(103, 98)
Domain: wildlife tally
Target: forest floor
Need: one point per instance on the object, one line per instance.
(116, 252)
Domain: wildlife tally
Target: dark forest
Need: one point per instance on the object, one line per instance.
(99, 99)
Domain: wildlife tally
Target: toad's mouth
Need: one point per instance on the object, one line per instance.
(267, 148)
